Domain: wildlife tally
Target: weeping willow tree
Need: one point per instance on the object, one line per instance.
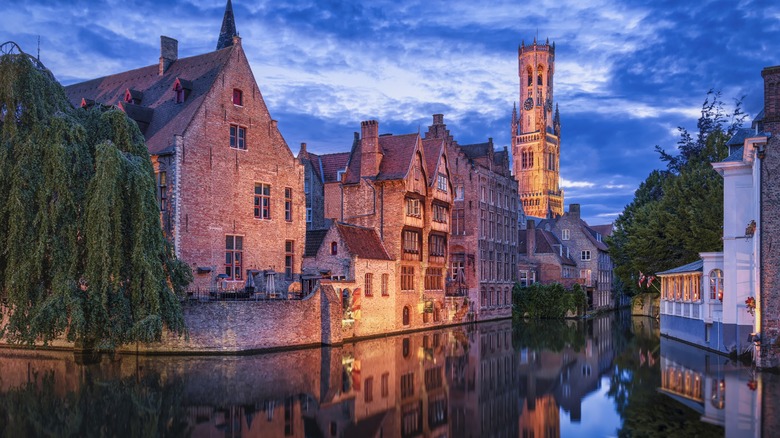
(82, 253)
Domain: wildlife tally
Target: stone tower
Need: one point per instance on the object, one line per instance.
(536, 133)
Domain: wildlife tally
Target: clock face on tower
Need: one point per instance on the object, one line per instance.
(529, 103)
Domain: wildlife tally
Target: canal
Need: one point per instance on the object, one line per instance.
(608, 376)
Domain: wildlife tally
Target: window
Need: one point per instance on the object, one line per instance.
(585, 275)
(385, 280)
(234, 251)
(334, 248)
(306, 185)
(439, 213)
(459, 192)
(413, 207)
(565, 234)
(411, 242)
(433, 279)
(483, 294)
(716, 284)
(238, 97)
(288, 204)
(585, 255)
(437, 245)
(407, 383)
(407, 278)
(441, 182)
(289, 246)
(179, 92)
(369, 285)
(262, 201)
(237, 137)
(459, 222)
(458, 266)
(162, 192)
(308, 215)
(405, 318)
(527, 278)
(368, 390)
(385, 389)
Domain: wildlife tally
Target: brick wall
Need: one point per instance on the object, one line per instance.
(769, 227)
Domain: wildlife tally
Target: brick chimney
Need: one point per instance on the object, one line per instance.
(574, 210)
(169, 52)
(530, 238)
(771, 77)
(370, 155)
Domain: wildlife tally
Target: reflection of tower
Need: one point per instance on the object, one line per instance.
(536, 133)
(541, 418)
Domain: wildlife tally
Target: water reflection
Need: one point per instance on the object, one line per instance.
(608, 376)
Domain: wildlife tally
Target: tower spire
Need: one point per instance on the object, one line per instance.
(228, 30)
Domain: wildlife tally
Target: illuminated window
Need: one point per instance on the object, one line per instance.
(716, 284)
(237, 137)
(262, 205)
(234, 251)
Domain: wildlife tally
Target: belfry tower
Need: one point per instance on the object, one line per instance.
(536, 133)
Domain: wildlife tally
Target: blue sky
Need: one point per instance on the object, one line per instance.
(627, 72)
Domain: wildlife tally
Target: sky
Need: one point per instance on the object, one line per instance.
(627, 73)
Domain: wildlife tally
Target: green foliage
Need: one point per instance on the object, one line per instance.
(551, 301)
(81, 249)
(552, 335)
(678, 212)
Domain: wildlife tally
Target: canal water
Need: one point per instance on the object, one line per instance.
(605, 377)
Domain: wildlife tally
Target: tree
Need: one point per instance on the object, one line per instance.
(677, 212)
(81, 249)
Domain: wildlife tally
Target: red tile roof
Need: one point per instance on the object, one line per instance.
(432, 149)
(398, 152)
(362, 242)
(332, 163)
(168, 117)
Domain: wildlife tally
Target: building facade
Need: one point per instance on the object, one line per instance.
(228, 186)
(587, 248)
(544, 258)
(536, 133)
(485, 213)
(321, 186)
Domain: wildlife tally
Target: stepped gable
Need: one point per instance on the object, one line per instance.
(169, 118)
(362, 242)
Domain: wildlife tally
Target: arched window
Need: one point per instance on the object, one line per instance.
(406, 315)
(530, 77)
(539, 77)
(334, 248)
(405, 346)
(716, 284)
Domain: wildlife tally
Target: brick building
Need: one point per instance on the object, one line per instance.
(544, 258)
(228, 186)
(400, 186)
(483, 241)
(322, 186)
(585, 244)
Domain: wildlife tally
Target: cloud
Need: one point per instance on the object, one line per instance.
(564, 183)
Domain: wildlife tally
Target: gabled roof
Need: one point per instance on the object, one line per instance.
(544, 245)
(362, 242)
(590, 233)
(604, 230)
(332, 163)
(736, 154)
(433, 151)
(398, 154)
(475, 150)
(169, 117)
(314, 240)
(738, 139)
(696, 266)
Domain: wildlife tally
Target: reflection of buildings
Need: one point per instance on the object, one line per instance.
(563, 378)
(722, 392)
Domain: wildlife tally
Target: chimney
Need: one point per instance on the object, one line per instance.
(574, 210)
(370, 155)
(438, 119)
(771, 77)
(530, 238)
(169, 52)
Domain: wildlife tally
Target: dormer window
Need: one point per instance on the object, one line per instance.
(179, 91)
(133, 96)
(238, 97)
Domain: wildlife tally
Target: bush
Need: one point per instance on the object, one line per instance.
(551, 301)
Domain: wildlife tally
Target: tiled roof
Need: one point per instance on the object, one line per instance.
(362, 242)
(591, 235)
(544, 245)
(738, 139)
(604, 230)
(398, 151)
(314, 240)
(332, 163)
(696, 266)
(736, 154)
(475, 150)
(168, 117)
(432, 149)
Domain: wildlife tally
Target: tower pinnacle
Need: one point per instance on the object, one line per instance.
(228, 30)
